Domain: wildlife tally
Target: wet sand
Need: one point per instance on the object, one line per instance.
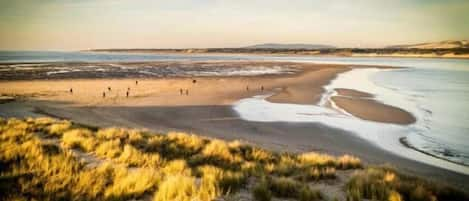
(353, 93)
(361, 105)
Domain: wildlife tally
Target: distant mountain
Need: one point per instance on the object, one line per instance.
(448, 44)
(289, 46)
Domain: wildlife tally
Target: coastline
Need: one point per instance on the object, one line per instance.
(161, 109)
(312, 53)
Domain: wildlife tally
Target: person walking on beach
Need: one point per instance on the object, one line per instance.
(262, 88)
(181, 91)
(187, 92)
(136, 82)
(71, 90)
(127, 94)
(104, 94)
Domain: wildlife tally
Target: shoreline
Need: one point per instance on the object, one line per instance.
(208, 112)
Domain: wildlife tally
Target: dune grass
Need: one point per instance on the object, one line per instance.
(42, 159)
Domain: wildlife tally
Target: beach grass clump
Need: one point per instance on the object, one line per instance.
(261, 191)
(308, 194)
(348, 162)
(286, 166)
(258, 155)
(284, 187)
(177, 187)
(316, 159)
(136, 158)
(79, 138)
(190, 143)
(131, 184)
(383, 183)
(177, 167)
(109, 149)
(319, 173)
(58, 128)
(92, 183)
(218, 152)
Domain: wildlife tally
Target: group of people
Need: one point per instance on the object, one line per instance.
(127, 93)
(247, 87)
(181, 90)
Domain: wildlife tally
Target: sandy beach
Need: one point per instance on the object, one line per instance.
(360, 105)
(158, 104)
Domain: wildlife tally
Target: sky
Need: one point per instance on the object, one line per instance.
(93, 24)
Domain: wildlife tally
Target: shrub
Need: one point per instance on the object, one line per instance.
(261, 192)
(177, 187)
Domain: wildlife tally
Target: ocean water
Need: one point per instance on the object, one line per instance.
(435, 91)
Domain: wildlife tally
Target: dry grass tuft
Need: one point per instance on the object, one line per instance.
(79, 138)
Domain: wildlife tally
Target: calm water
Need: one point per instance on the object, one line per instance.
(436, 91)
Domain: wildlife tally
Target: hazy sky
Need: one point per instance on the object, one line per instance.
(86, 24)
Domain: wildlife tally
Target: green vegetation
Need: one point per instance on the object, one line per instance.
(49, 159)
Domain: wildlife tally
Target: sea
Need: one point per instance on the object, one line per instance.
(434, 90)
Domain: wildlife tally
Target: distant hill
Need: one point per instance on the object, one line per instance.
(448, 44)
(289, 46)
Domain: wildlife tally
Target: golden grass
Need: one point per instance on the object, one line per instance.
(79, 138)
(177, 166)
(383, 183)
(177, 187)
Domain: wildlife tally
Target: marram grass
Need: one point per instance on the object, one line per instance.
(50, 159)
